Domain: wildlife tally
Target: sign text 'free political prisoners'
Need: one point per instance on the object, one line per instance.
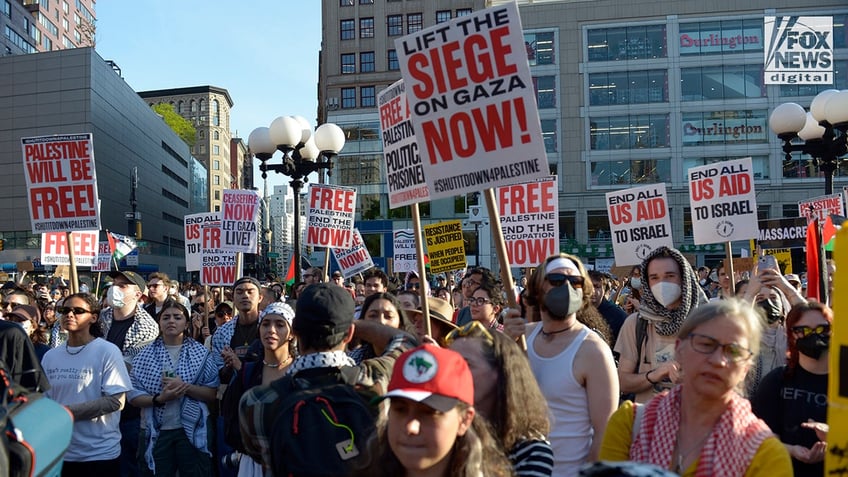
(329, 221)
(61, 183)
(472, 101)
(723, 201)
(445, 246)
(404, 173)
(239, 214)
(530, 221)
(798, 50)
(639, 222)
(355, 259)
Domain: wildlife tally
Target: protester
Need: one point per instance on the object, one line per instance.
(444, 294)
(611, 313)
(441, 313)
(381, 308)
(376, 281)
(408, 299)
(158, 290)
(233, 338)
(29, 318)
(313, 276)
(14, 297)
(702, 426)
(19, 356)
(486, 304)
(772, 304)
(471, 282)
(269, 295)
(89, 377)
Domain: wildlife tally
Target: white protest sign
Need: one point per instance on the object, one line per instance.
(472, 101)
(404, 251)
(329, 220)
(639, 222)
(103, 259)
(61, 185)
(239, 215)
(723, 201)
(820, 207)
(54, 248)
(404, 173)
(217, 267)
(355, 259)
(199, 231)
(530, 221)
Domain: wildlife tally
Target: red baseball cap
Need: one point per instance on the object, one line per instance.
(437, 377)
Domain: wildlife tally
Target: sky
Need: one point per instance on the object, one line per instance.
(264, 52)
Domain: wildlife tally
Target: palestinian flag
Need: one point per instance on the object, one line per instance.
(831, 224)
(120, 245)
(289, 280)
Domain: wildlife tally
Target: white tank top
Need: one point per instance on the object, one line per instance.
(571, 428)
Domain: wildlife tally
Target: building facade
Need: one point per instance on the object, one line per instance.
(30, 26)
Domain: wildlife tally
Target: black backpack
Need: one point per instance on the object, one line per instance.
(322, 423)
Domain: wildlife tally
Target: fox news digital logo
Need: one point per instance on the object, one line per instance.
(798, 50)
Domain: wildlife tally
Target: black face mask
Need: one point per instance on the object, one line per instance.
(772, 310)
(813, 345)
(563, 300)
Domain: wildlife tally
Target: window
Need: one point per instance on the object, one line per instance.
(216, 179)
(549, 134)
(366, 27)
(348, 63)
(366, 62)
(394, 25)
(216, 150)
(65, 25)
(393, 61)
(216, 113)
(193, 106)
(443, 16)
(628, 87)
(567, 225)
(174, 197)
(347, 30)
(545, 87)
(217, 195)
(46, 23)
(722, 82)
(65, 7)
(721, 37)
(348, 98)
(725, 127)
(598, 226)
(366, 2)
(345, 3)
(540, 48)
(463, 12)
(627, 43)
(629, 132)
(7, 9)
(840, 76)
(18, 40)
(414, 22)
(216, 135)
(216, 165)
(630, 172)
(367, 96)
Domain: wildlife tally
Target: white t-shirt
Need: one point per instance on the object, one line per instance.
(80, 374)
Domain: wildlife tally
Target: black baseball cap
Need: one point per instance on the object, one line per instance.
(133, 277)
(324, 309)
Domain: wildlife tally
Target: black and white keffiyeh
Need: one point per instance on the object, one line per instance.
(325, 359)
(667, 322)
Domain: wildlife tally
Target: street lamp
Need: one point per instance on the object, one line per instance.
(304, 152)
(823, 130)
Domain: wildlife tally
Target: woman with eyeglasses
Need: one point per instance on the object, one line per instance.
(88, 376)
(486, 304)
(702, 426)
(792, 399)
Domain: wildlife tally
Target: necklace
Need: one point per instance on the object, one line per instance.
(549, 334)
(681, 456)
(68, 349)
(277, 365)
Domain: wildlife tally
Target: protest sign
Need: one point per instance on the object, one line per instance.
(217, 267)
(103, 259)
(200, 230)
(54, 248)
(445, 246)
(404, 251)
(530, 221)
(239, 214)
(783, 257)
(837, 387)
(723, 201)
(639, 222)
(61, 184)
(820, 207)
(355, 259)
(329, 221)
(782, 233)
(472, 102)
(404, 173)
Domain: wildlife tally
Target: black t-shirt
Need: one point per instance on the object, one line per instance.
(243, 335)
(118, 332)
(785, 402)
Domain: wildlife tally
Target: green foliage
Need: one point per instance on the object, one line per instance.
(180, 125)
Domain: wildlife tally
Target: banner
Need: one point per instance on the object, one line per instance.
(239, 215)
(798, 50)
(329, 220)
(639, 222)
(103, 259)
(473, 103)
(61, 184)
(54, 248)
(820, 207)
(199, 230)
(530, 221)
(404, 173)
(405, 259)
(445, 246)
(782, 233)
(723, 201)
(355, 259)
(217, 267)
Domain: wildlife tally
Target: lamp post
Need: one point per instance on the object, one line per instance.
(823, 130)
(304, 152)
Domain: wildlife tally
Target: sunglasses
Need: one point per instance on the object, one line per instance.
(8, 304)
(558, 280)
(479, 301)
(413, 286)
(471, 329)
(707, 345)
(75, 309)
(221, 313)
(807, 330)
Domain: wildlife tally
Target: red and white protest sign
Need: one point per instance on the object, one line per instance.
(404, 172)
(217, 267)
(329, 221)
(200, 230)
(723, 201)
(61, 184)
(239, 214)
(472, 102)
(530, 221)
(403, 245)
(54, 248)
(639, 222)
(355, 259)
(820, 207)
(103, 259)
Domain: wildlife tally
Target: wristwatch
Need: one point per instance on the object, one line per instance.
(155, 402)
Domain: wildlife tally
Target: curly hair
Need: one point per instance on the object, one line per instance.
(792, 319)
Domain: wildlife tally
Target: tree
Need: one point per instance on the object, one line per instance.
(180, 125)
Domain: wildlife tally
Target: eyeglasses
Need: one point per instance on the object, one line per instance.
(155, 285)
(413, 286)
(221, 313)
(469, 330)
(801, 331)
(558, 280)
(707, 345)
(479, 301)
(75, 309)
(9, 304)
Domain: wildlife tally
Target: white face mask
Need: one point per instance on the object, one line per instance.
(115, 297)
(666, 293)
(27, 326)
(191, 293)
(635, 283)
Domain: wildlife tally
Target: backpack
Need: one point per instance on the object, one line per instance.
(241, 382)
(321, 425)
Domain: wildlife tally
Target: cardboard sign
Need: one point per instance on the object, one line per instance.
(445, 246)
(404, 173)
(405, 259)
(217, 267)
(473, 103)
(530, 221)
(54, 248)
(239, 215)
(103, 260)
(200, 230)
(639, 222)
(783, 233)
(783, 256)
(329, 221)
(723, 201)
(837, 386)
(820, 207)
(355, 259)
(61, 184)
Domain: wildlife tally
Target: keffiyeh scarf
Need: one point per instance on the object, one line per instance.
(667, 322)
